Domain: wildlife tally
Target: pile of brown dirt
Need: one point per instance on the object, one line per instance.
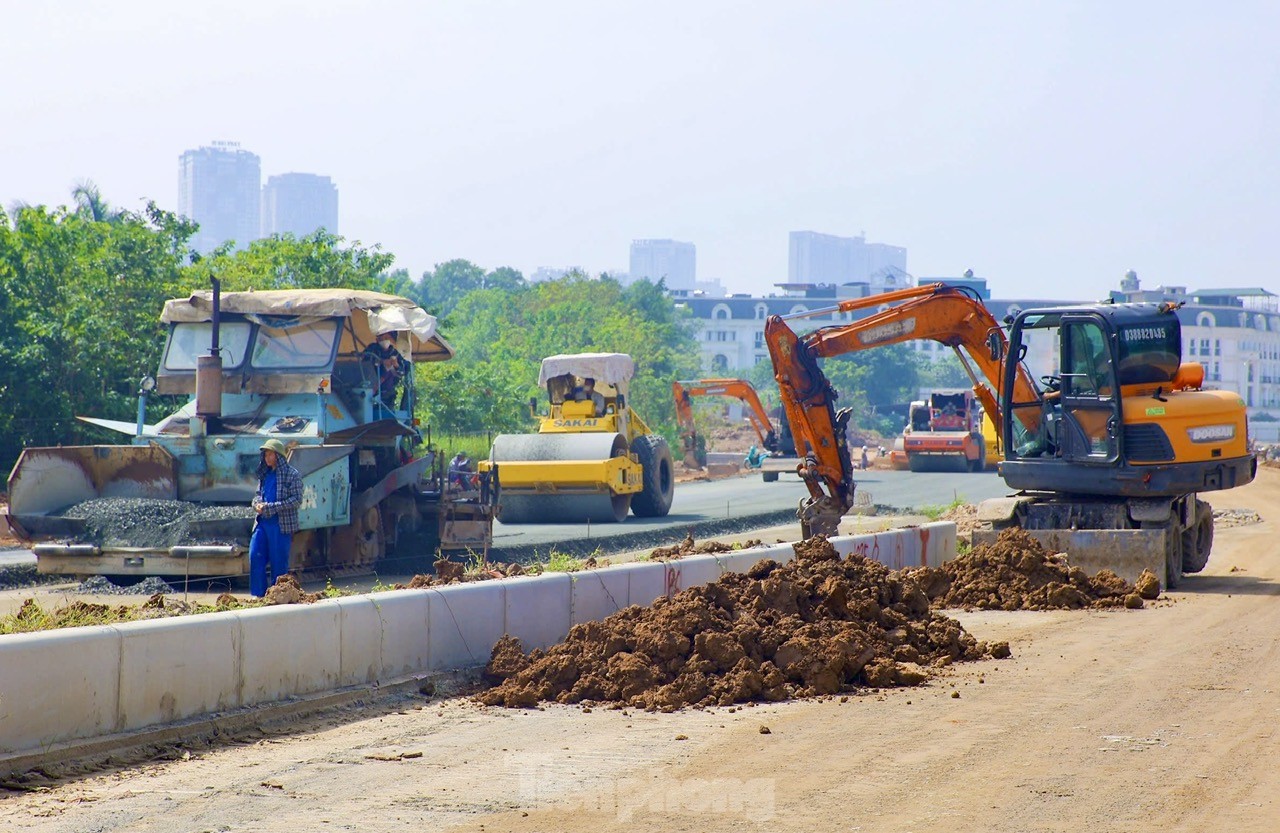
(690, 547)
(815, 626)
(287, 591)
(451, 572)
(1016, 573)
(684, 474)
(735, 438)
(965, 517)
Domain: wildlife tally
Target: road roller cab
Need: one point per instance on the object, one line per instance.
(593, 458)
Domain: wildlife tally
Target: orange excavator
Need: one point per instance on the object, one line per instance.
(1107, 449)
(695, 454)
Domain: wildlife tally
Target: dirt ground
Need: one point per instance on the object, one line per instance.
(1156, 719)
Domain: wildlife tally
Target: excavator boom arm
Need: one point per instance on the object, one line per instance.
(739, 388)
(946, 314)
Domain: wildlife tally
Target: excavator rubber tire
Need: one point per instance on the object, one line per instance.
(769, 476)
(654, 501)
(1197, 540)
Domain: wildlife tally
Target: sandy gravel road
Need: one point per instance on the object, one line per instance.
(1163, 719)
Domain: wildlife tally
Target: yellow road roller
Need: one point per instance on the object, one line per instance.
(593, 458)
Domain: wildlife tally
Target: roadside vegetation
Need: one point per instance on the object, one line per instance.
(33, 616)
(82, 286)
(935, 511)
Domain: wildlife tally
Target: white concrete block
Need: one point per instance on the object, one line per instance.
(538, 608)
(939, 542)
(595, 594)
(647, 581)
(360, 659)
(405, 638)
(694, 571)
(172, 669)
(288, 650)
(884, 547)
(464, 622)
(57, 686)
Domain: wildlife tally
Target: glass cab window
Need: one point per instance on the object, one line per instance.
(189, 341)
(294, 345)
(1087, 361)
(1075, 411)
(1149, 352)
(1089, 416)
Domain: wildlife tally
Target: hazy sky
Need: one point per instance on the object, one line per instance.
(1049, 146)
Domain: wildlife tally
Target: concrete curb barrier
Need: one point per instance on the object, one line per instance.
(596, 594)
(403, 619)
(202, 670)
(66, 685)
(58, 685)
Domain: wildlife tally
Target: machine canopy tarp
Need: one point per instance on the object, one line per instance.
(614, 369)
(371, 313)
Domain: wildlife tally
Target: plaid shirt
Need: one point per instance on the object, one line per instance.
(288, 496)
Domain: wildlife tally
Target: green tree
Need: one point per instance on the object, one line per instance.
(79, 323)
(314, 261)
(869, 380)
(944, 372)
(398, 282)
(502, 335)
(504, 278)
(91, 204)
(443, 287)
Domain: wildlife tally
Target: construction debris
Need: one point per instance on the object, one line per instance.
(690, 547)
(817, 625)
(1225, 518)
(1017, 573)
(287, 591)
(965, 517)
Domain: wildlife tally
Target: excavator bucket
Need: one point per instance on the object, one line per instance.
(45, 481)
(1125, 552)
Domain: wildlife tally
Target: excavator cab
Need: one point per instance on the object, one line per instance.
(1113, 394)
(1077, 405)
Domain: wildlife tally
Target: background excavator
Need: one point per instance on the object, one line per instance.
(1107, 450)
(695, 451)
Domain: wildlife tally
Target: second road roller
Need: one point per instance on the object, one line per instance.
(593, 458)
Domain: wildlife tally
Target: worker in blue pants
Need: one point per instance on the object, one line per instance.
(276, 502)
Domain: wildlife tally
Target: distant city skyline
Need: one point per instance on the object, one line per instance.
(299, 204)
(815, 257)
(1043, 145)
(673, 261)
(219, 187)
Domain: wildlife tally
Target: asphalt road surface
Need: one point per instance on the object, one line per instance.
(740, 499)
